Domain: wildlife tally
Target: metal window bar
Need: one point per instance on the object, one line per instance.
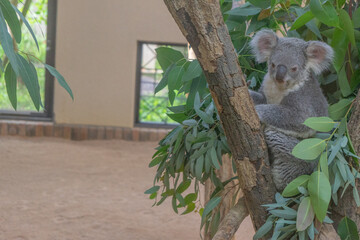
(147, 78)
(47, 115)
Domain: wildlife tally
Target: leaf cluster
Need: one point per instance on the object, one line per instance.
(193, 150)
(308, 196)
(18, 64)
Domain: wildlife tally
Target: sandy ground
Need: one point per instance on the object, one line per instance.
(53, 189)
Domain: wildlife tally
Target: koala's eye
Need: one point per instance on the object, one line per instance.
(294, 69)
(272, 65)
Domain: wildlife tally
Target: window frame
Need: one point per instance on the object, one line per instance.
(48, 113)
(139, 51)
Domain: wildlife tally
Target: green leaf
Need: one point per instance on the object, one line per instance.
(191, 197)
(174, 205)
(244, 10)
(213, 202)
(320, 194)
(321, 124)
(11, 18)
(27, 25)
(190, 122)
(183, 186)
(292, 188)
(7, 44)
(29, 76)
(199, 166)
(180, 199)
(302, 20)
(214, 158)
(338, 110)
(167, 56)
(356, 18)
(339, 43)
(305, 215)
(189, 209)
(263, 230)
(60, 79)
(193, 71)
(261, 3)
(157, 160)
(344, 83)
(152, 190)
(347, 25)
(326, 12)
(324, 164)
(347, 229)
(309, 149)
(164, 80)
(288, 213)
(11, 82)
(175, 76)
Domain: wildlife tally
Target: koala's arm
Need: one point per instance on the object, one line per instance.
(283, 117)
(258, 97)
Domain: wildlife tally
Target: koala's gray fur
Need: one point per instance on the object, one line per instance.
(288, 96)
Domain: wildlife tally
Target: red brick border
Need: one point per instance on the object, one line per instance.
(79, 132)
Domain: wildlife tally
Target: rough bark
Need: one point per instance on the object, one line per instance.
(202, 24)
(232, 221)
(347, 206)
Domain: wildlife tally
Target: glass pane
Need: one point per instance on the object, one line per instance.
(153, 107)
(37, 17)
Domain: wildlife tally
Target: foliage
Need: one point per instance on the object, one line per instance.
(309, 196)
(193, 150)
(19, 64)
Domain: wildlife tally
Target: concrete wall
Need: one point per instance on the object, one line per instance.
(96, 49)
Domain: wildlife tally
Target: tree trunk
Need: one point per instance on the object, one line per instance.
(347, 206)
(202, 24)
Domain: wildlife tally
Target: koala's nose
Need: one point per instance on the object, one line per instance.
(280, 73)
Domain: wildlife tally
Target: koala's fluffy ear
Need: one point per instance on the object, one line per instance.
(319, 56)
(263, 43)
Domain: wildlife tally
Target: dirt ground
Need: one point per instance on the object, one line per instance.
(53, 189)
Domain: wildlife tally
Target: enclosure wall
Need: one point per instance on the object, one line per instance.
(96, 47)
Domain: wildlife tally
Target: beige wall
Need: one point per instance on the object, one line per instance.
(96, 49)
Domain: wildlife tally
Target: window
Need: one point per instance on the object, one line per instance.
(151, 109)
(42, 18)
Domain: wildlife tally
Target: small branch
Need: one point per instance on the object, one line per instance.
(327, 232)
(232, 221)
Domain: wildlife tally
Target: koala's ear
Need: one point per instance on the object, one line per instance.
(263, 43)
(319, 56)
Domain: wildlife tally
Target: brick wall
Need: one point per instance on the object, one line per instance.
(78, 132)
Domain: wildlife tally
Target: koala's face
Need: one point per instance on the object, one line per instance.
(290, 59)
(287, 63)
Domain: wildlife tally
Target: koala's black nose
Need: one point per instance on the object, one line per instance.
(280, 73)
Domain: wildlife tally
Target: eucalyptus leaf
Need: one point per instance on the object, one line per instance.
(263, 230)
(167, 56)
(292, 188)
(305, 215)
(339, 109)
(321, 124)
(11, 18)
(320, 194)
(347, 229)
(309, 149)
(11, 83)
(60, 79)
(193, 71)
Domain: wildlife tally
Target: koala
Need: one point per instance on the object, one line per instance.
(289, 94)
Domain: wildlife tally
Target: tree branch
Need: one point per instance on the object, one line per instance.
(232, 221)
(202, 24)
